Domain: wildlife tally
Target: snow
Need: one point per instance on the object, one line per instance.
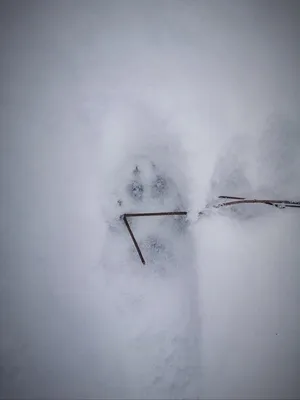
(210, 92)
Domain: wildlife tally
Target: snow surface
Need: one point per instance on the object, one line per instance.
(210, 90)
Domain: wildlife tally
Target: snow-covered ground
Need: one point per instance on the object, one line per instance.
(209, 92)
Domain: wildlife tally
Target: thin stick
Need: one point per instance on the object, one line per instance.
(134, 240)
(235, 200)
(153, 214)
(231, 197)
(263, 200)
(253, 201)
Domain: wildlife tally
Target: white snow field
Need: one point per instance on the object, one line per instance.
(202, 93)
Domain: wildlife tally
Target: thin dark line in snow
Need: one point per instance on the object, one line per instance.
(235, 200)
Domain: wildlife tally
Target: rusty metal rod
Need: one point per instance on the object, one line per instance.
(134, 240)
(154, 214)
(263, 200)
(235, 200)
(252, 201)
(231, 197)
(241, 201)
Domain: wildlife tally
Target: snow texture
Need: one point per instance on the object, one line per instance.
(128, 106)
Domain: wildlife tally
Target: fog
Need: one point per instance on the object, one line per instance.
(207, 90)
